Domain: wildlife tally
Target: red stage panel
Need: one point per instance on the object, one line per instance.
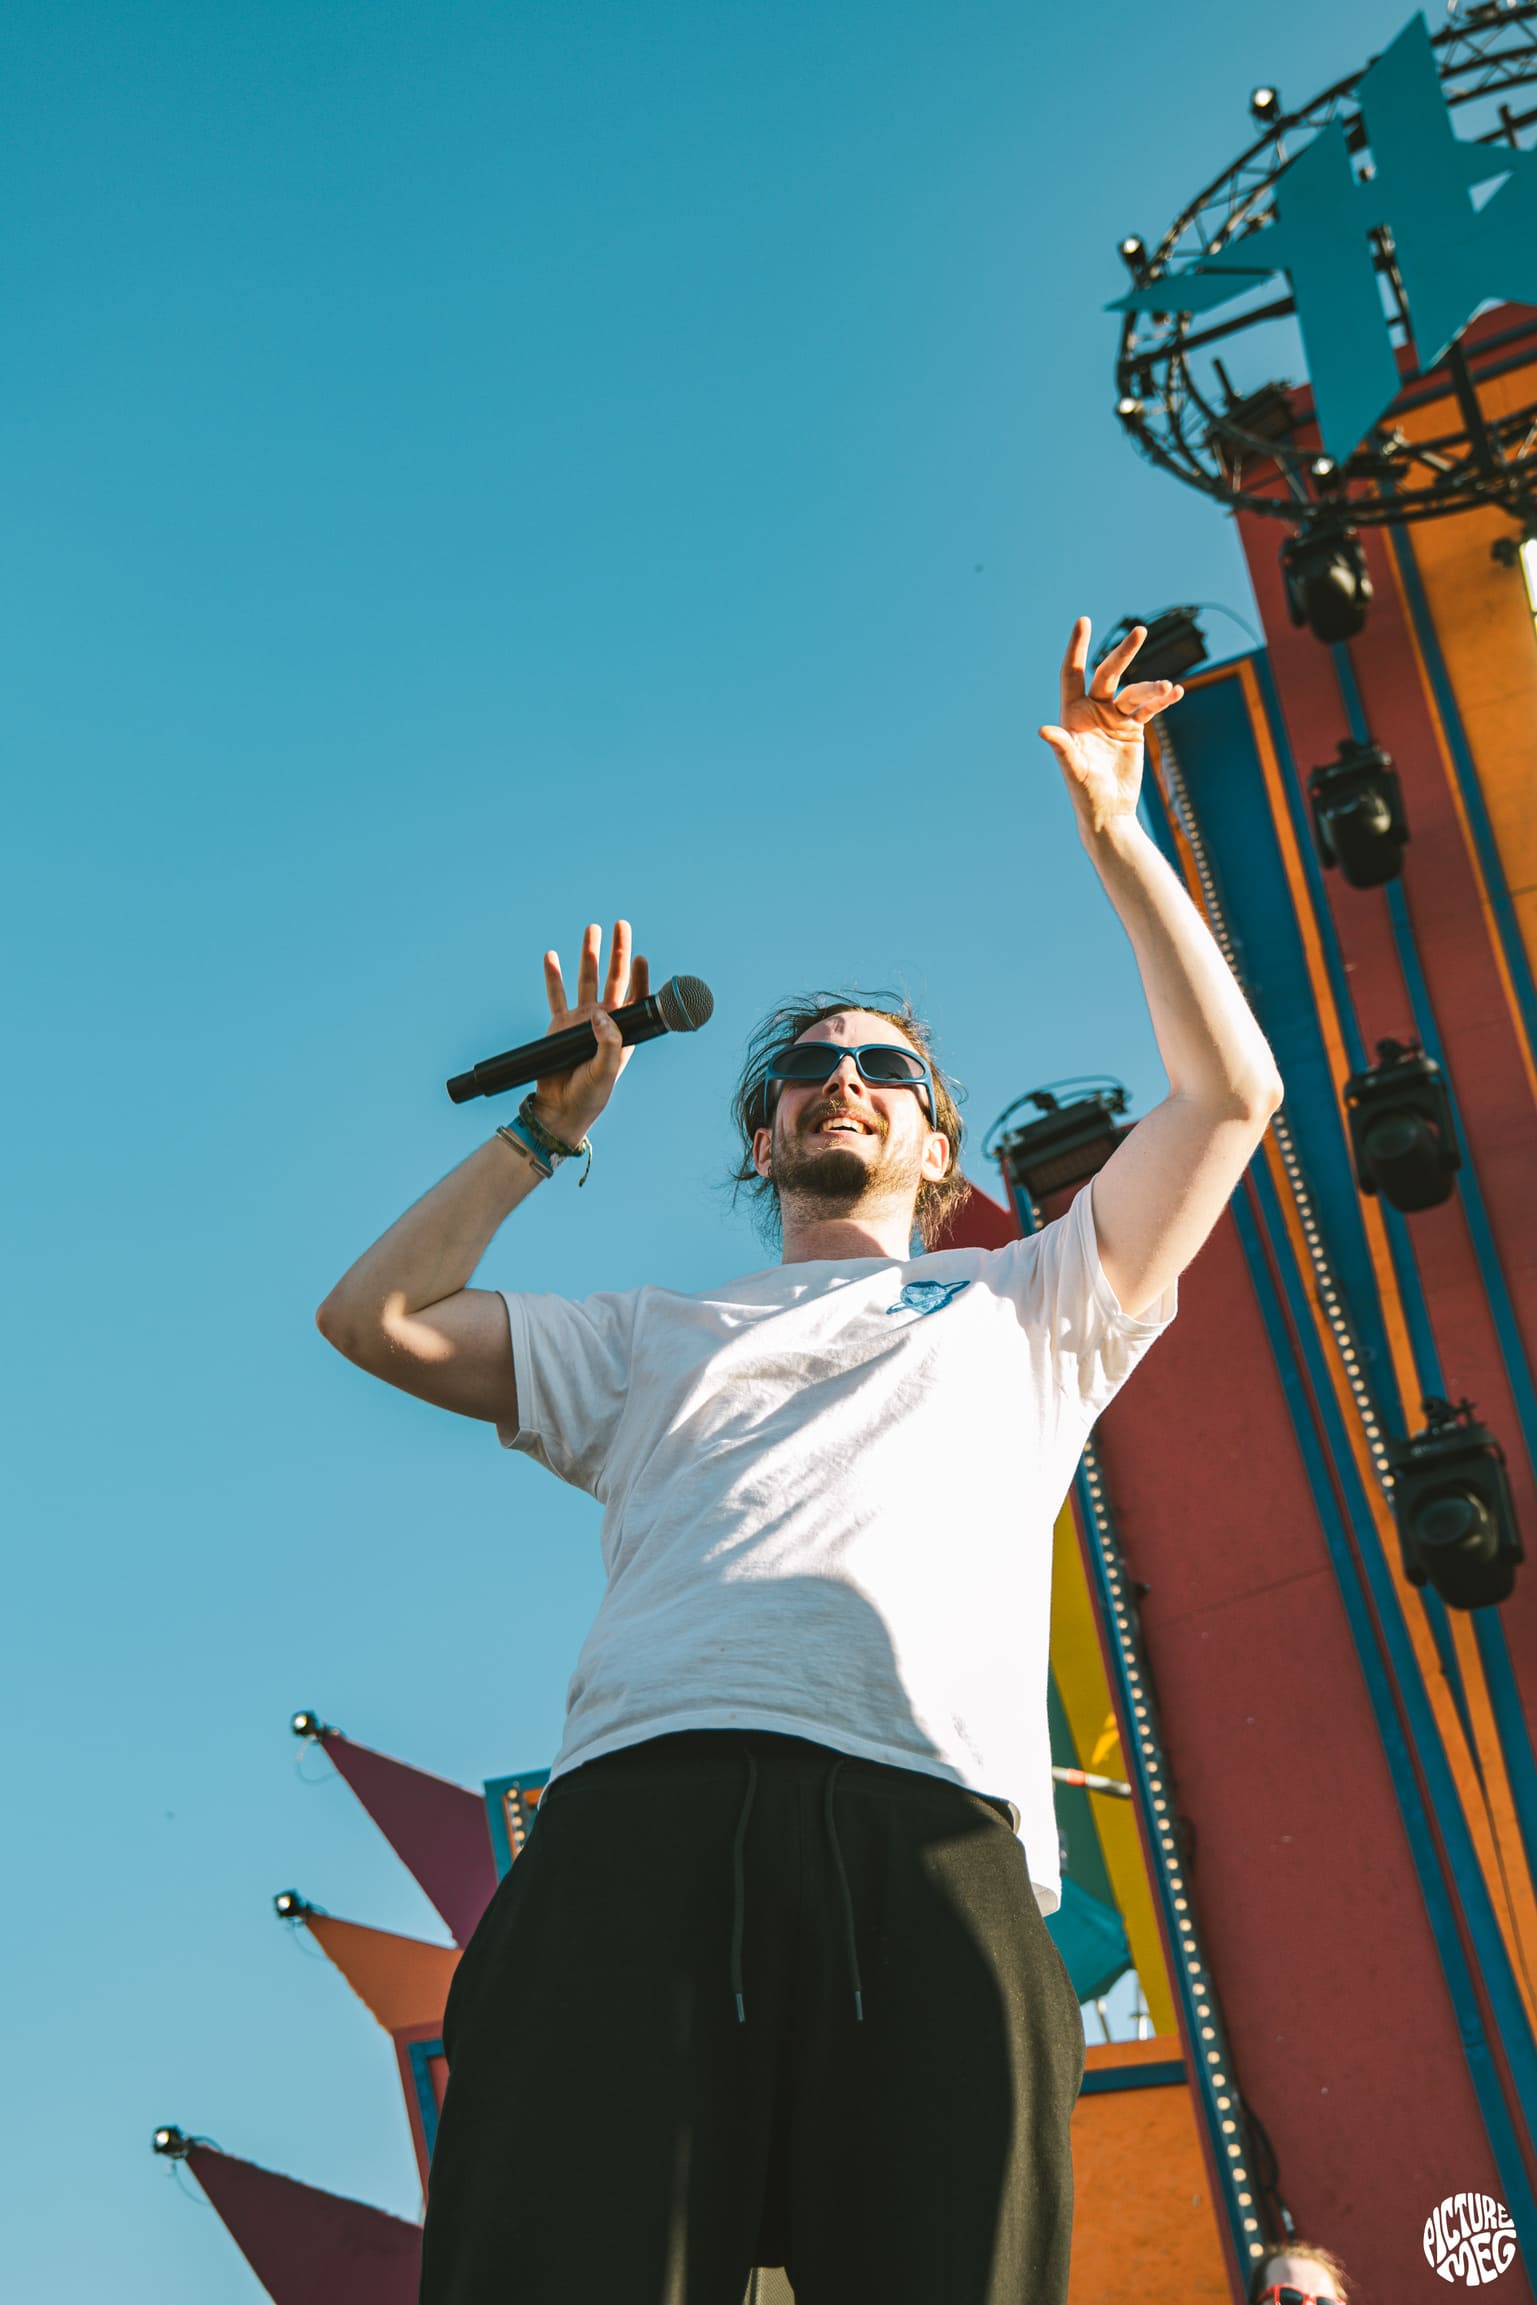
(982, 1224)
(1452, 931)
(1342, 2035)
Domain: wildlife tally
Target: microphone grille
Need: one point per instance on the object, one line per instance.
(685, 1003)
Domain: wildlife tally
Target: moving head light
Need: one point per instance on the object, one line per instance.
(1358, 814)
(1402, 1138)
(1452, 1502)
(1327, 587)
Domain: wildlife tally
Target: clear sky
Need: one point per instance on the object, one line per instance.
(470, 469)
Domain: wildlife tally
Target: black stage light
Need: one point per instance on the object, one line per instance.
(1066, 1145)
(308, 1725)
(1327, 587)
(1265, 104)
(1174, 643)
(170, 2141)
(1358, 814)
(1133, 254)
(1130, 411)
(1402, 1138)
(290, 1906)
(1265, 413)
(1262, 415)
(1452, 1502)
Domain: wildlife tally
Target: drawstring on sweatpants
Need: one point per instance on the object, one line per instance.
(843, 1883)
(738, 1896)
(736, 1886)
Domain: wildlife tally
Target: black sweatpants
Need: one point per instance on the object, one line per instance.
(744, 2000)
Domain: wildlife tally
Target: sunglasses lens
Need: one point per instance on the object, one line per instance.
(890, 1064)
(815, 1060)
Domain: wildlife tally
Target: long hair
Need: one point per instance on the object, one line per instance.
(936, 1203)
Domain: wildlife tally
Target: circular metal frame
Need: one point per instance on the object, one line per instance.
(1175, 400)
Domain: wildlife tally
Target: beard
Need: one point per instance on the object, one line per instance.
(825, 1178)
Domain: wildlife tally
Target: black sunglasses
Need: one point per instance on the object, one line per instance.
(878, 1061)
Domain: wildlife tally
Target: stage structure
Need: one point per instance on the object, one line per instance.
(1291, 1615)
(1305, 1521)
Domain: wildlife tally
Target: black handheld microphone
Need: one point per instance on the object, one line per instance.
(682, 1004)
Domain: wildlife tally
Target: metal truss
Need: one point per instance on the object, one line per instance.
(1175, 398)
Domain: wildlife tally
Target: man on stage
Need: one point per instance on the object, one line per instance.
(770, 1981)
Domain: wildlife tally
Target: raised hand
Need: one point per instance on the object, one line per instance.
(569, 1102)
(1099, 741)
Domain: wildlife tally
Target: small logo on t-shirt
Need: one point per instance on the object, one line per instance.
(927, 1296)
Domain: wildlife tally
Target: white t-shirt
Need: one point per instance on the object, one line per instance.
(828, 1493)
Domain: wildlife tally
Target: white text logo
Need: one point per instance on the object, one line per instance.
(1470, 2238)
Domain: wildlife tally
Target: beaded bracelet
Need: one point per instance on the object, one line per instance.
(549, 1144)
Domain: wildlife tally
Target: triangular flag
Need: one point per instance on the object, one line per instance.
(399, 1979)
(438, 1830)
(307, 2247)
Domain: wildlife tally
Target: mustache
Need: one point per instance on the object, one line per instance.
(827, 1111)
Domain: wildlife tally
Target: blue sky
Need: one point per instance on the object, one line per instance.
(472, 469)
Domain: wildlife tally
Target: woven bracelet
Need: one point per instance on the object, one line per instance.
(549, 1144)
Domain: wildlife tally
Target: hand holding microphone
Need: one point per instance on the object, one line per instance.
(575, 1066)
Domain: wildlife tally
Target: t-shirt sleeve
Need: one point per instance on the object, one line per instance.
(571, 1364)
(1061, 1290)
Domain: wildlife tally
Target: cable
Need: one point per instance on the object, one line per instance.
(1217, 608)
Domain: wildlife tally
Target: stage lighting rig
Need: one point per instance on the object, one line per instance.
(290, 1906)
(1358, 814)
(1452, 1503)
(172, 2142)
(308, 1725)
(1402, 1136)
(1252, 427)
(1327, 587)
(1216, 288)
(1174, 643)
(1067, 1144)
(1133, 254)
(1267, 412)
